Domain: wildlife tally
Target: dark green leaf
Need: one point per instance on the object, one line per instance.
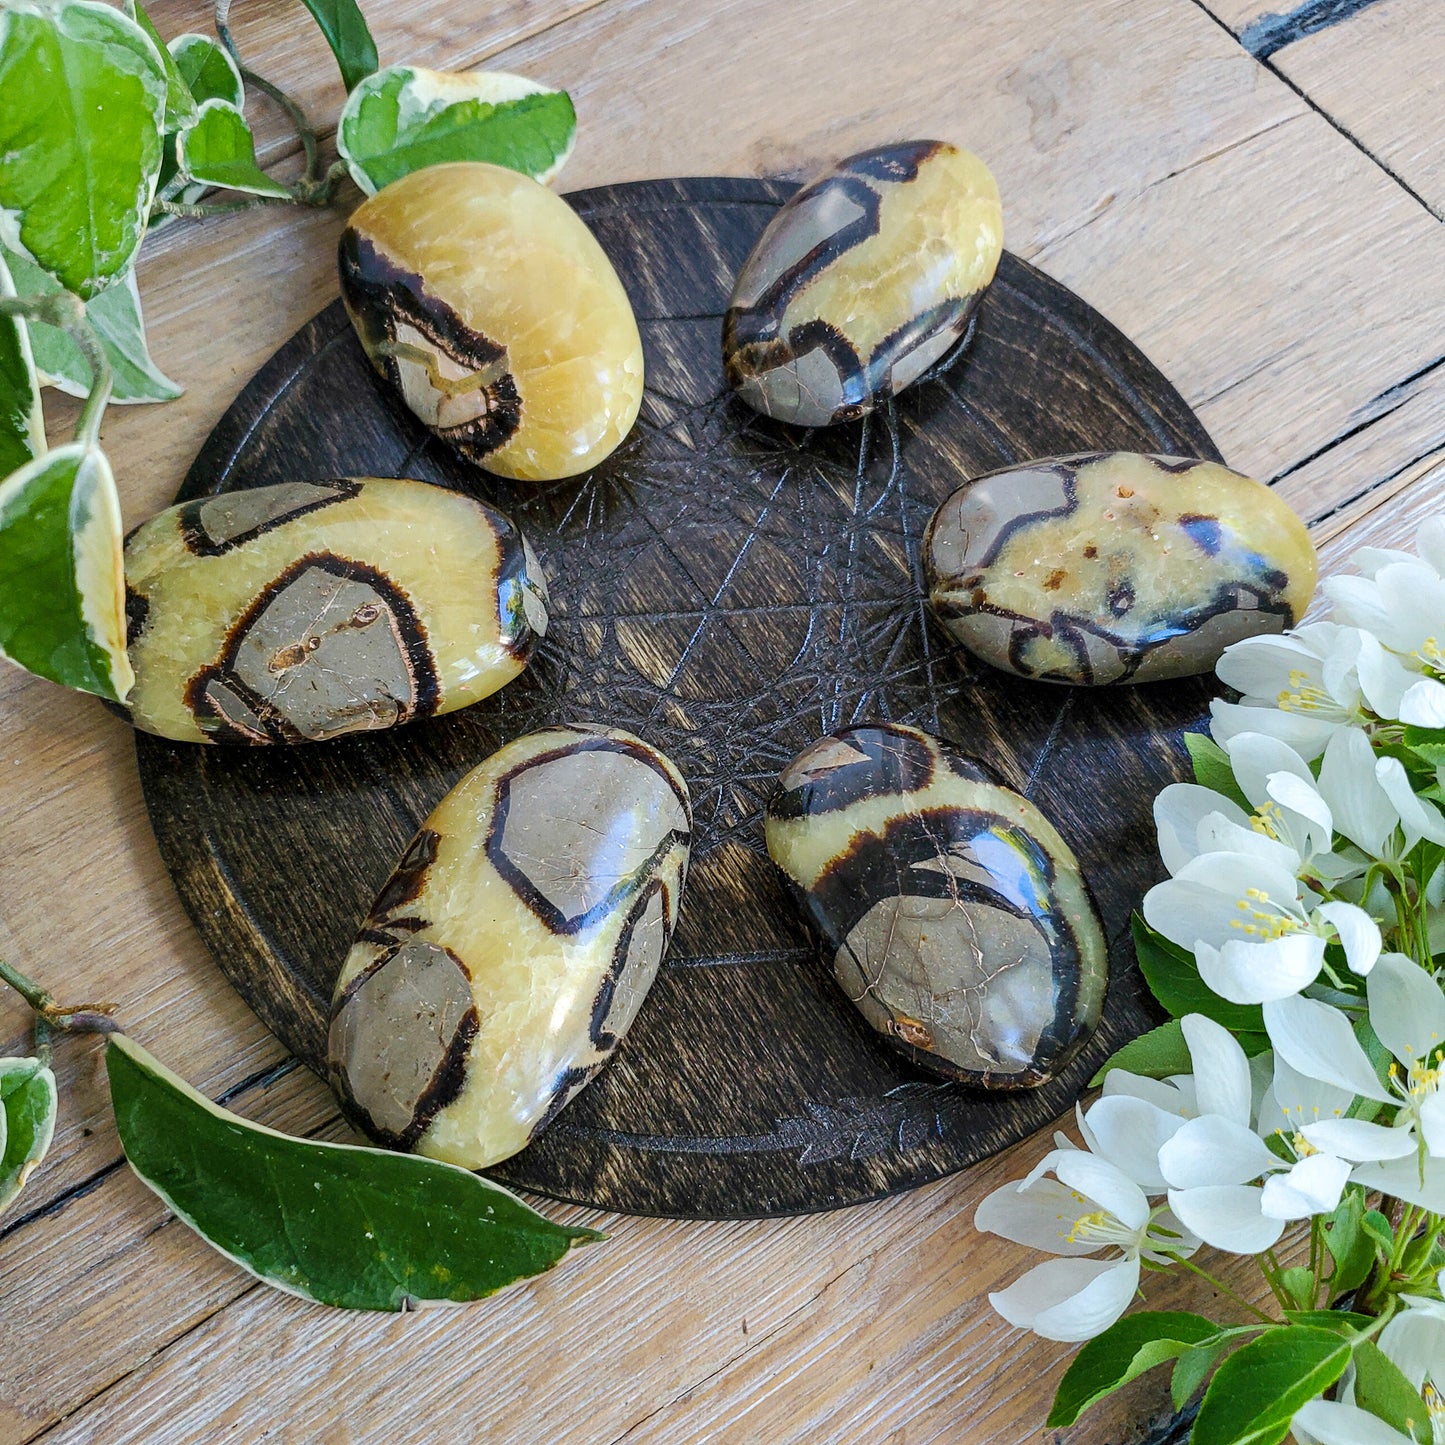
(346, 32)
(180, 105)
(82, 99)
(1342, 1322)
(1298, 1283)
(1193, 1366)
(1155, 1055)
(405, 118)
(219, 150)
(1352, 1250)
(115, 314)
(360, 1228)
(1173, 979)
(62, 609)
(1428, 744)
(1126, 1349)
(1379, 1231)
(1382, 1389)
(22, 427)
(27, 1122)
(1212, 770)
(1255, 1392)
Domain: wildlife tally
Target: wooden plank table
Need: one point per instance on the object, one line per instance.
(1254, 196)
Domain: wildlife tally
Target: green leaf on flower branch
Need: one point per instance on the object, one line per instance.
(1173, 979)
(1382, 1388)
(1212, 770)
(180, 103)
(1428, 744)
(82, 100)
(1298, 1284)
(27, 1122)
(1162, 1052)
(1256, 1391)
(346, 32)
(1125, 1350)
(219, 150)
(404, 118)
(1380, 1231)
(62, 610)
(344, 1225)
(22, 428)
(1352, 1250)
(1342, 1322)
(116, 316)
(1193, 1365)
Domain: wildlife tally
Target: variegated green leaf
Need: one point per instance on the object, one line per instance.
(82, 101)
(27, 1122)
(116, 316)
(403, 118)
(62, 605)
(219, 150)
(344, 1225)
(22, 428)
(180, 105)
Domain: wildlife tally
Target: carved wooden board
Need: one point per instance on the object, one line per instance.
(730, 589)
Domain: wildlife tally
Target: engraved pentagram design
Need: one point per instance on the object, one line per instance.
(730, 589)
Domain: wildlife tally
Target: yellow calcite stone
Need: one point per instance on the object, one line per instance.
(306, 610)
(489, 304)
(1115, 567)
(511, 949)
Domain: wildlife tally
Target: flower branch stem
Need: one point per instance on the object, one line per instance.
(1228, 1293)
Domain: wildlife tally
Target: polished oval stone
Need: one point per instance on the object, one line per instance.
(863, 280)
(489, 305)
(1115, 567)
(511, 949)
(302, 611)
(957, 919)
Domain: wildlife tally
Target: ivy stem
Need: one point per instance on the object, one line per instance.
(1225, 1290)
(86, 1018)
(199, 212)
(87, 426)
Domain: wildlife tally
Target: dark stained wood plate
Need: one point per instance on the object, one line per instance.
(730, 589)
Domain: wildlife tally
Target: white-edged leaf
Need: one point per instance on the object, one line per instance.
(22, 427)
(116, 316)
(337, 1223)
(62, 605)
(27, 1122)
(218, 149)
(207, 69)
(404, 117)
(180, 104)
(82, 104)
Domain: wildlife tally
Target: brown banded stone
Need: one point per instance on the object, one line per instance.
(1115, 567)
(956, 918)
(863, 280)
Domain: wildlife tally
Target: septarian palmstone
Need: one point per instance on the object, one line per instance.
(511, 949)
(489, 305)
(956, 918)
(862, 281)
(307, 610)
(1115, 567)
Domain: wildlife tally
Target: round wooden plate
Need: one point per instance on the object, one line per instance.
(730, 589)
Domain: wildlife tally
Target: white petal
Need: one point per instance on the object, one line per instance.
(1430, 543)
(1317, 1040)
(1302, 1100)
(1106, 1184)
(1254, 756)
(1304, 808)
(1041, 1216)
(1159, 1092)
(1306, 735)
(1432, 1123)
(1423, 705)
(1419, 817)
(1407, 1009)
(1257, 972)
(1221, 1071)
(1359, 1141)
(1357, 601)
(1332, 1423)
(1414, 598)
(1313, 1186)
(1069, 1299)
(1179, 810)
(1362, 810)
(1261, 666)
(1415, 1341)
(1384, 679)
(1369, 560)
(1211, 1150)
(1218, 834)
(1402, 1178)
(1359, 934)
(1128, 1132)
(1226, 1216)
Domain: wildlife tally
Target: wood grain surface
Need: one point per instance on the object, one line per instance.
(729, 589)
(1283, 279)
